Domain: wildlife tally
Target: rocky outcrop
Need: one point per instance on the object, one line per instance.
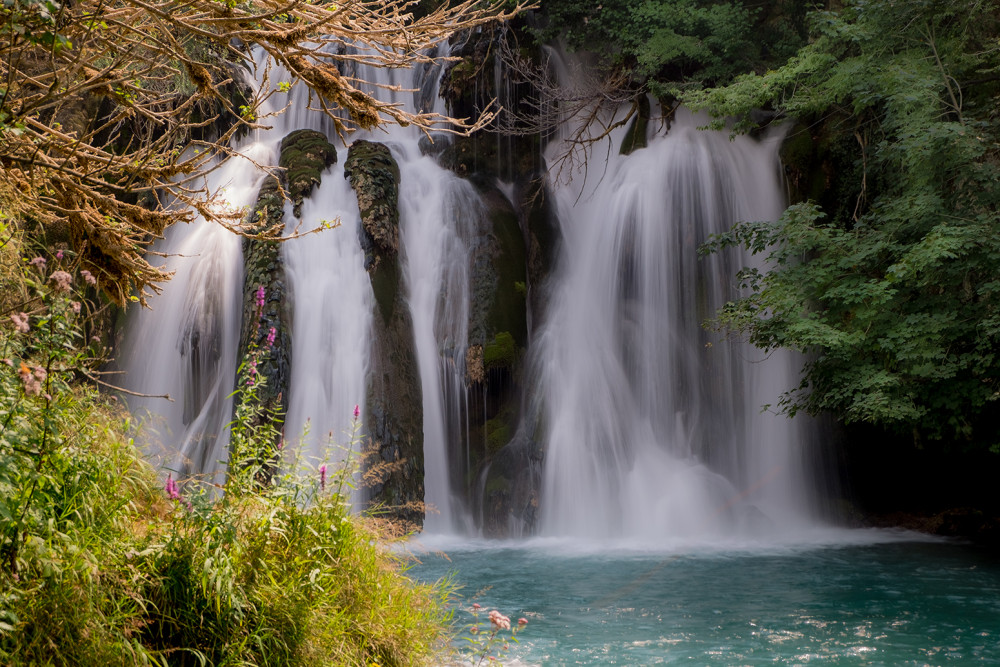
(635, 136)
(395, 408)
(304, 156)
(374, 175)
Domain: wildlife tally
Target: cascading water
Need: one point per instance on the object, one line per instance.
(652, 431)
(439, 213)
(331, 302)
(186, 344)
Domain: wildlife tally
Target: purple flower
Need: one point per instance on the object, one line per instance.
(59, 254)
(357, 411)
(322, 477)
(62, 280)
(270, 336)
(171, 488)
(260, 297)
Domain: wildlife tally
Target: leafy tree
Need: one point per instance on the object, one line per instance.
(112, 112)
(896, 295)
(673, 44)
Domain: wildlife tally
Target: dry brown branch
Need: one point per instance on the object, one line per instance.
(579, 111)
(102, 102)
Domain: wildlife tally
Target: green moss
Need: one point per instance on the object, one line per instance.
(304, 156)
(497, 435)
(374, 176)
(501, 352)
(508, 311)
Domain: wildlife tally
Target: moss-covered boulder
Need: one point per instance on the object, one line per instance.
(264, 274)
(304, 156)
(374, 175)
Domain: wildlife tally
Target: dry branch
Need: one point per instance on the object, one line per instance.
(102, 102)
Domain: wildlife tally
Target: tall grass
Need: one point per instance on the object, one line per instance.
(101, 563)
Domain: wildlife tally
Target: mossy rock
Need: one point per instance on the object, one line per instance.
(374, 176)
(501, 352)
(304, 156)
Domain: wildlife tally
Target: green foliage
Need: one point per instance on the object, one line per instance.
(501, 352)
(895, 296)
(103, 564)
(675, 44)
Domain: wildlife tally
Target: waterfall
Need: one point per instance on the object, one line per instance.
(654, 429)
(186, 344)
(439, 215)
(648, 424)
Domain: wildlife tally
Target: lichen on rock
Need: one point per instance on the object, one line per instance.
(304, 156)
(374, 175)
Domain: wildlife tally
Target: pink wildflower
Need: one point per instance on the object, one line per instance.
(357, 411)
(75, 305)
(322, 477)
(59, 254)
(40, 373)
(88, 277)
(474, 629)
(270, 336)
(171, 488)
(20, 321)
(32, 386)
(39, 262)
(522, 622)
(260, 296)
(62, 280)
(476, 606)
(499, 621)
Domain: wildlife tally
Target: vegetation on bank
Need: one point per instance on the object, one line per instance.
(104, 562)
(888, 277)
